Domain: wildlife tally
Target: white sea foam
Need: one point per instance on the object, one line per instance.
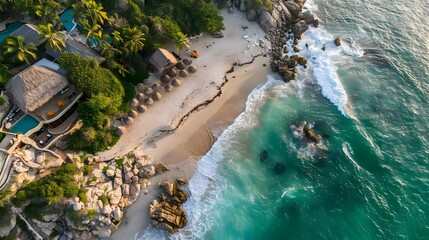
(206, 185)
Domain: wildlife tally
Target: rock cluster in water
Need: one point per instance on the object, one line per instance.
(167, 213)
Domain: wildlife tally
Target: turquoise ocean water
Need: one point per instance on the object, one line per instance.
(369, 179)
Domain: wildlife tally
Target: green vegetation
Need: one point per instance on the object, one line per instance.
(15, 49)
(4, 74)
(2, 101)
(4, 196)
(82, 195)
(91, 213)
(52, 188)
(104, 199)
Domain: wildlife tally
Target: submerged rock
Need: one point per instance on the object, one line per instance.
(311, 134)
(337, 42)
(279, 168)
(263, 156)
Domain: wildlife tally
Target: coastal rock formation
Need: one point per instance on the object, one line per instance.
(311, 134)
(167, 213)
(337, 42)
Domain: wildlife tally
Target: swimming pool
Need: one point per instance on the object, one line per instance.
(10, 28)
(67, 20)
(25, 124)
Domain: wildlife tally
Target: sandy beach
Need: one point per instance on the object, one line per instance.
(183, 126)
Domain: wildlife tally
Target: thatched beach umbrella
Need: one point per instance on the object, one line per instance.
(172, 72)
(165, 79)
(183, 73)
(157, 96)
(129, 121)
(140, 97)
(168, 88)
(180, 66)
(148, 101)
(134, 102)
(156, 87)
(187, 61)
(192, 69)
(140, 87)
(142, 108)
(148, 91)
(176, 82)
(119, 131)
(133, 113)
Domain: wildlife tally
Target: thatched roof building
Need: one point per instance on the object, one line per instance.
(30, 32)
(162, 59)
(35, 86)
(74, 46)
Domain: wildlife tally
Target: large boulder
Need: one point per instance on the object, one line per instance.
(311, 134)
(161, 167)
(308, 17)
(117, 214)
(167, 216)
(299, 28)
(337, 42)
(286, 13)
(293, 8)
(267, 22)
(169, 187)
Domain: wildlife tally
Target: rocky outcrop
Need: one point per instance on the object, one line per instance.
(309, 133)
(167, 213)
(337, 42)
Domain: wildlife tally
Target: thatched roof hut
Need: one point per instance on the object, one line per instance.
(172, 72)
(183, 73)
(187, 61)
(30, 32)
(180, 66)
(129, 121)
(140, 97)
(119, 131)
(35, 86)
(192, 69)
(148, 101)
(142, 108)
(134, 102)
(133, 113)
(148, 91)
(156, 86)
(140, 87)
(165, 79)
(176, 82)
(162, 59)
(157, 96)
(168, 88)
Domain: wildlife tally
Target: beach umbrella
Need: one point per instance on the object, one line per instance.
(192, 69)
(60, 103)
(168, 88)
(148, 91)
(142, 108)
(183, 73)
(165, 79)
(187, 61)
(157, 96)
(119, 131)
(133, 113)
(148, 101)
(180, 66)
(140, 87)
(140, 96)
(172, 72)
(176, 82)
(134, 102)
(129, 121)
(156, 86)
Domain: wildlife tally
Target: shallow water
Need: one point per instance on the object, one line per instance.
(369, 179)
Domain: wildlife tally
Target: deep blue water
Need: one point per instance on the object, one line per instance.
(369, 179)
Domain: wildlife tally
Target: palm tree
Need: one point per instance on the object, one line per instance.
(133, 39)
(16, 48)
(5, 4)
(89, 9)
(108, 51)
(117, 38)
(47, 10)
(91, 31)
(181, 41)
(52, 37)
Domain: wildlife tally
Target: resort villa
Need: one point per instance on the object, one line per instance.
(42, 101)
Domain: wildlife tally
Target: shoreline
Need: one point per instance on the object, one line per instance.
(188, 137)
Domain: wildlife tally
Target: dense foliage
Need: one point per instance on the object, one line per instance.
(53, 187)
